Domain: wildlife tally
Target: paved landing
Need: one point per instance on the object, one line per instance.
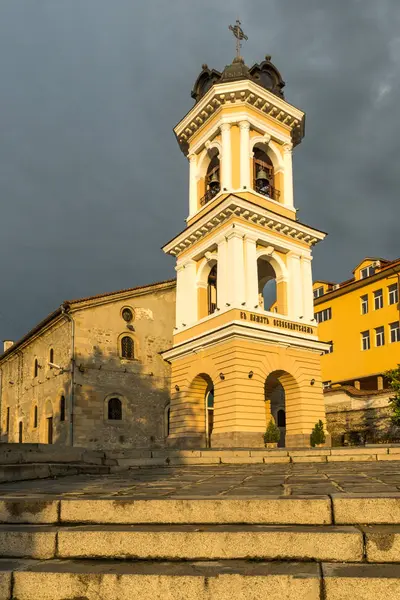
(222, 481)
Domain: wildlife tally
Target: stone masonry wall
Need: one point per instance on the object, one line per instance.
(21, 391)
(141, 384)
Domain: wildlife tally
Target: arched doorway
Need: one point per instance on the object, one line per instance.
(267, 291)
(209, 414)
(280, 390)
(212, 290)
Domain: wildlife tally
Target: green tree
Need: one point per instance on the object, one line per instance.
(318, 434)
(272, 434)
(393, 376)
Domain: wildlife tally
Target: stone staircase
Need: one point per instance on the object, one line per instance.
(302, 548)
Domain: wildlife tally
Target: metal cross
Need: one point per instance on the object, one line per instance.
(239, 35)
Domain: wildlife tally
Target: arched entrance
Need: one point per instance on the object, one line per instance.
(200, 396)
(209, 414)
(279, 394)
(267, 292)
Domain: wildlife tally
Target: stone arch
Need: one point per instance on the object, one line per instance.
(282, 393)
(136, 347)
(205, 267)
(188, 410)
(270, 267)
(122, 400)
(212, 151)
(47, 423)
(273, 153)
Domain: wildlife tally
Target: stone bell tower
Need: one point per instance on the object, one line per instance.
(234, 361)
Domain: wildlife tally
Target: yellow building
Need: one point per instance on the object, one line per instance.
(360, 320)
(233, 363)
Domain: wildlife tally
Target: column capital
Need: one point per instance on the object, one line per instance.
(192, 158)
(225, 126)
(294, 255)
(244, 125)
(251, 237)
(287, 148)
(233, 233)
(184, 265)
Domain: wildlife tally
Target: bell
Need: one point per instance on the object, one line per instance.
(261, 176)
(214, 182)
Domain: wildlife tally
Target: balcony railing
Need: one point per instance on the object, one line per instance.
(209, 195)
(267, 190)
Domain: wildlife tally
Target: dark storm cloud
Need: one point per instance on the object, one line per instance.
(92, 181)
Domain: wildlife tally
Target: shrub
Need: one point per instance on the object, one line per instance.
(318, 434)
(272, 434)
(394, 383)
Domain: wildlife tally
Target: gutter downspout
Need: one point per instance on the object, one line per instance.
(64, 312)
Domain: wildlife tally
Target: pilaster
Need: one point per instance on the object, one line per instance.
(295, 287)
(308, 298)
(226, 159)
(186, 294)
(244, 127)
(251, 271)
(288, 176)
(192, 184)
(235, 284)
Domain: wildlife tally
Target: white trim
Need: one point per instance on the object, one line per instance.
(241, 330)
(243, 92)
(246, 210)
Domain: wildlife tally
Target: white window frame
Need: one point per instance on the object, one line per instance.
(394, 332)
(379, 336)
(323, 315)
(365, 338)
(318, 292)
(367, 271)
(364, 304)
(393, 294)
(378, 295)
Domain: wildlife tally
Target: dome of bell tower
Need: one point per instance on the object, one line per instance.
(264, 74)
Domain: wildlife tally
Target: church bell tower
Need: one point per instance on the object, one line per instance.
(235, 361)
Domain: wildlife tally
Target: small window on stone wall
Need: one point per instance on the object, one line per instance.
(51, 357)
(115, 409)
(35, 416)
(36, 368)
(127, 347)
(20, 432)
(62, 408)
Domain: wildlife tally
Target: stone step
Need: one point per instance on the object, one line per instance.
(185, 542)
(200, 580)
(40, 470)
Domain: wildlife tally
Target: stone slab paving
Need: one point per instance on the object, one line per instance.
(222, 480)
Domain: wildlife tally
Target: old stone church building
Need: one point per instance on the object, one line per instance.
(91, 374)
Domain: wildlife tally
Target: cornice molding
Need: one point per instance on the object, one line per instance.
(249, 213)
(243, 331)
(245, 93)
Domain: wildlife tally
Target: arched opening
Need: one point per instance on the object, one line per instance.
(114, 409)
(282, 397)
(35, 417)
(209, 413)
(200, 398)
(36, 368)
(51, 357)
(263, 174)
(267, 288)
(20, 431)
(212, 290)
(212, 181)
(127, 347)
(62, 408)
(49, 422)
(167, 420)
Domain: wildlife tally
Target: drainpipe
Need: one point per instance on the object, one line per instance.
(64, 312)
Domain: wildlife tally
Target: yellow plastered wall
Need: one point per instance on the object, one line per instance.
(348, 361)
(239, 403)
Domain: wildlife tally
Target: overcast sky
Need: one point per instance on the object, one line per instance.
(92, 182)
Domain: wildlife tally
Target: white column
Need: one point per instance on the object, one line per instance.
(192, 184)
(308, 295)
(186, 294)
(251, 272)
(295, 299)
(222, 275)
(226, 159)
(288, 176)
(235, 288)
(244, 127)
